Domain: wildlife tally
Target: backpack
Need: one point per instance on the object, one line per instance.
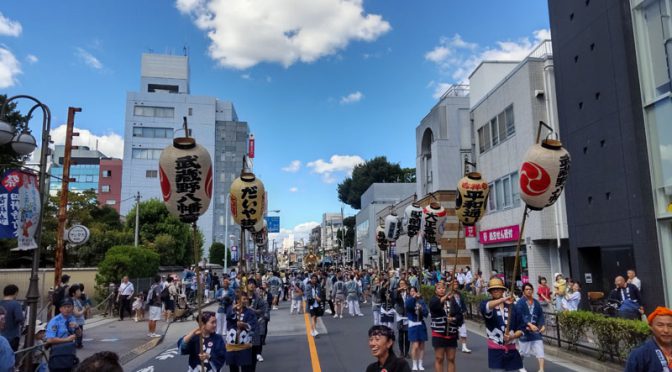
(156, 296)
(165, 294)
(59, 295)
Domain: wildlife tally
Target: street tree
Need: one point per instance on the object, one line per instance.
(378, 169)
(217, 250)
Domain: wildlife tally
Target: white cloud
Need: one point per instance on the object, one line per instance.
(298, 232)
(293, 167)
(10, 68)
(246, 76)
(458, 58)
(293, 189)
(244, 33)
(9, 27)
(31, 58)
(337, 163)
(352, 98)
(439, 89)
(89, 59)
(110, 144)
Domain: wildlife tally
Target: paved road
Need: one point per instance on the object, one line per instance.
(341, 346)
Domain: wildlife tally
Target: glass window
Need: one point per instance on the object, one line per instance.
(499, 188)
(510, 127)
(105, 188)
(137, 132)
(492, 198)
(110, 202)
(107, 173)
(493, 131)
(501, 119)
(151, 173)
(515, 189)
(506, 182)
(159, 112)
(139, 154)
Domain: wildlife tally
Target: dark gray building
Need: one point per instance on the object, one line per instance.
(610, 205)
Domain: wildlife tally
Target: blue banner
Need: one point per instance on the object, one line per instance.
(273, 224)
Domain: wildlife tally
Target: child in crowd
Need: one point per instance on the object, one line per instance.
(138, 307)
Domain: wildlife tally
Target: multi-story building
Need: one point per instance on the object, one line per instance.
(154, 115)
(315, 239)
(377, 197)
(84, 169)
(331, 224)
(612, 61)
(109, 183)
(508, 100)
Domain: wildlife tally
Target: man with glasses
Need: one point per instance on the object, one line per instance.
(531, 318)
(381, 342)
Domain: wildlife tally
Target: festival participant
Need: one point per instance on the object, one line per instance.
(655, 355)
(376, 300)
(339, 293)
(353, 291)
(446, 319)
(381, 343)
(463, 309)
(417, 311)
(531, 318)
(387, 312)
(240, 325)
(502, 352)
(213, 352)
(402, 320)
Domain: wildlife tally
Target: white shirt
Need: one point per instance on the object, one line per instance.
(469, 278)
(126, 289)
(636, 282)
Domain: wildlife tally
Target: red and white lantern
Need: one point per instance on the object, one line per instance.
(392, 227)
(248, 201)
(472, 197)
(413, 220)
(543, 174)
(433, 219)
(185, 174)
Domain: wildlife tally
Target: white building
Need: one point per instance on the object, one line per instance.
(154, 115)
(508, 100)
(331, 224)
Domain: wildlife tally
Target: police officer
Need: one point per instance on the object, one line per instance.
(62, 329)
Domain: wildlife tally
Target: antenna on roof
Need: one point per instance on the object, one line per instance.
(185, 50)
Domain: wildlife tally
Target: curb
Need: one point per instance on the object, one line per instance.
(149, 345)
(560, 353)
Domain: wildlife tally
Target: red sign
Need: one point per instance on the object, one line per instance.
(470, 231)
(502, 234)
(250, 147)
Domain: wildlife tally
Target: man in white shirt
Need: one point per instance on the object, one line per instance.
(634, 280)
(125, 296)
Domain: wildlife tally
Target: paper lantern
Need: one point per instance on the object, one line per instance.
(185, 174)
(472, 197)
(247, 200)
(413, 219)
(433, 218)
(543, 174)
(392, 227)
(261, 236)
(381, 239)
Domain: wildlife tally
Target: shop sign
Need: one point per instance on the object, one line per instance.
(470, 231)
(500, 235)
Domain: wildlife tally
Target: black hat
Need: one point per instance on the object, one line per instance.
(67, 302)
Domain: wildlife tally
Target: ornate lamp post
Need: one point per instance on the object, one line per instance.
(23, 143)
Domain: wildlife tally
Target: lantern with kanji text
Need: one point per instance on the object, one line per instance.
(413, 219)
(543, 174)
(392, 227)
(433, 220)
(247, 200)
(261, 235)
(472, 197)
(185, 174)
(381, 239)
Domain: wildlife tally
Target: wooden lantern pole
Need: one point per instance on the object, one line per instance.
(199, 293)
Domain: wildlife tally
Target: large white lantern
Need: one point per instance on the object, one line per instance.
(185, 174)
(247, 200)
(392, 227)
(543, 174)
(433, 220)
(472, 197)
(413, 219)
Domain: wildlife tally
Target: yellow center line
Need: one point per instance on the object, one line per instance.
(314, 359)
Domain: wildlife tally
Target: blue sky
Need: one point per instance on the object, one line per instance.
(322, 83)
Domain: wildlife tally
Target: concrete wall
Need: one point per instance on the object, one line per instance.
(21, 278)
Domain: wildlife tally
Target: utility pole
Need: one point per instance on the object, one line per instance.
(63, 205)
(137, 218)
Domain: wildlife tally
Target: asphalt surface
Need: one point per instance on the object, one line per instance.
(341, 346)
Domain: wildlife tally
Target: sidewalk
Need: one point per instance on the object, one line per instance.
(127, 338)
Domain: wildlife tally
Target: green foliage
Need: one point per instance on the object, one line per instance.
(8, 158)
(614, 336)
(427, 291)
(155, 224)
(375, 170)
(217, 254)
(121, 260)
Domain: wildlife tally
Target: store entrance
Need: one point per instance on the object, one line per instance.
(503, 260)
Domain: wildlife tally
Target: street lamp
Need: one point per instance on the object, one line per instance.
(24, 143)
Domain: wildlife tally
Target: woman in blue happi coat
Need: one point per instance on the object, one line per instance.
(241, 321)
(416, 311)
(213, 352)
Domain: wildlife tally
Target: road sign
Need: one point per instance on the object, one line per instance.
(273, 224)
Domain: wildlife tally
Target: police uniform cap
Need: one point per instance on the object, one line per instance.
(67, 302)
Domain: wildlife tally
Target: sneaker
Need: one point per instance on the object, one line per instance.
(316, 333)
(335, 316)
(360, 314)
(260, 358)
(420, 367)
(154, 335)
(465, 349)
(341, 316)
(275, 308)
(328, 311)
(313, 333)
(149, 334)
